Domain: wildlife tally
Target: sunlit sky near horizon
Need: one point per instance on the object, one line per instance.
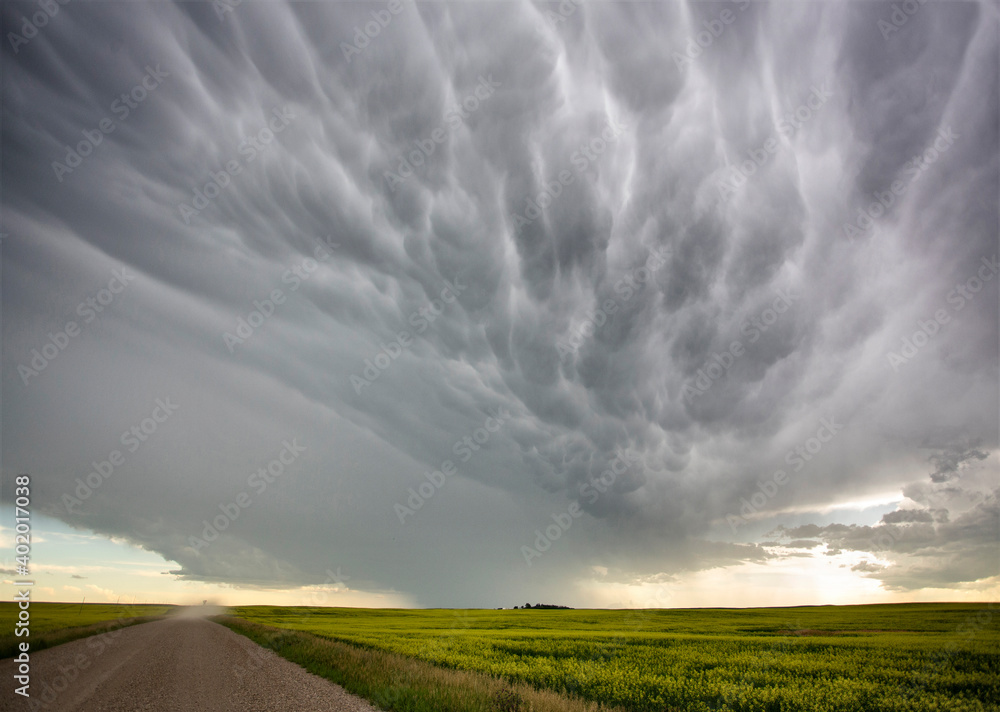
(87, 567)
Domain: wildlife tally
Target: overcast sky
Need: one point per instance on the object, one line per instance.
(615, 303)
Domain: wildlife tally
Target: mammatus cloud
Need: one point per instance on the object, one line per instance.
(523, 207)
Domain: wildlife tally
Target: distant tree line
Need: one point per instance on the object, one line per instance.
(543, 605)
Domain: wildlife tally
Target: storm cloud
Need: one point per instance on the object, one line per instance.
(470, 257)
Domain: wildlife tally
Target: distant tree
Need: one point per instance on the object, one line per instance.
(527, 605)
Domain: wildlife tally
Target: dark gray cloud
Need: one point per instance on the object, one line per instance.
(628, 234)
(951, 460)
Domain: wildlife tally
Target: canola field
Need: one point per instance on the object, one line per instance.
(895, 657)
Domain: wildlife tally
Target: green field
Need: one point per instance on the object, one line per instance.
(932, 656)
(54, 623)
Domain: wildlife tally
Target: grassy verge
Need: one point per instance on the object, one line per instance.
(52, 623)
(871, 658)
(397, 683)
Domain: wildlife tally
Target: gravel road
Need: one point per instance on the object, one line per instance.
(182, 663)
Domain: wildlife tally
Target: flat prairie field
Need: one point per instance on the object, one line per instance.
(921, 656)
(54, 623)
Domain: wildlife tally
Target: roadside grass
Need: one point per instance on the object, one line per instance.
(397, 683)
(53, 624)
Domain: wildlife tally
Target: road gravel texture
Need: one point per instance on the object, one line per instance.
(181, 663)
